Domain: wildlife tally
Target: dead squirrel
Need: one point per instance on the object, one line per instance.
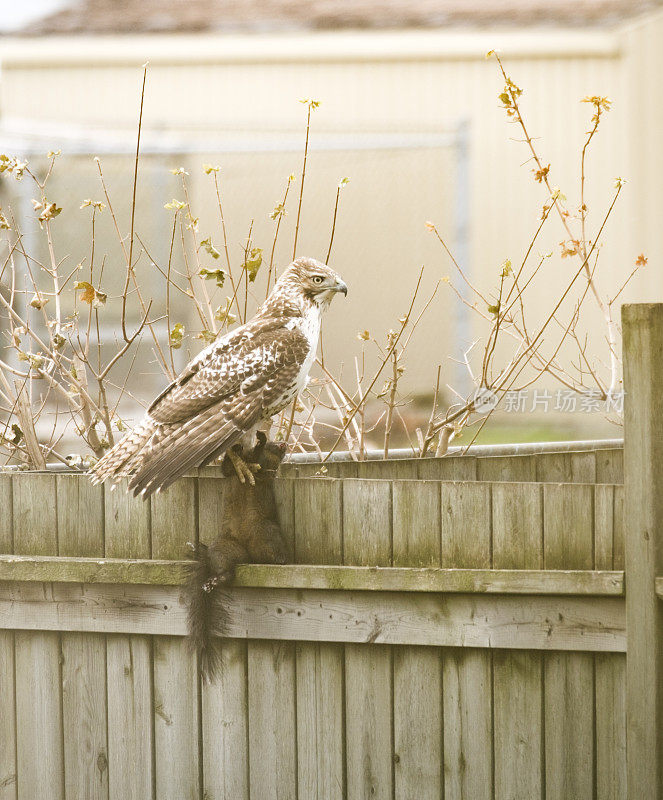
(250, 533)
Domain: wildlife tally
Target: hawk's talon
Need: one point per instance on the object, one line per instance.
(245, 471)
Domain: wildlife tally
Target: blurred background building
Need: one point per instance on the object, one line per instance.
(409, 112)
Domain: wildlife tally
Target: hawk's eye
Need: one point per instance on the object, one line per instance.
(317, 279)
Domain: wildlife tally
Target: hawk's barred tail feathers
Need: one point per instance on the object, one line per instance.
(118, 462)
(184, 448)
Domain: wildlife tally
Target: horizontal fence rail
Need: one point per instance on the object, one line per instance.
(271, 576)
(559, 622)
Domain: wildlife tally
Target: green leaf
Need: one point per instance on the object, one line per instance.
(495, 310)
(253, 262)
(207, 336)
(213, 274)
(175, 205)
(177, 336)
(223, 314)
(506, 268)
(207, 245)
(279, 211)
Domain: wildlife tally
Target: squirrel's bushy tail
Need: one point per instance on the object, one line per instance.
(205, 613)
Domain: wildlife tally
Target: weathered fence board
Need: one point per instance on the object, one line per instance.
(224, 704)
(39, 749)
(8, 776)
(431, 666)
(320, 665)
(609, 671)
(643, 484)
(175, 670)
(54, 569)
(81, 532)
(418, 726)
(453, 620)
(465, 530)
(601, 465)
(129, 663)
(272, 720)
(517, 676)
(367, 540)
(569, 679)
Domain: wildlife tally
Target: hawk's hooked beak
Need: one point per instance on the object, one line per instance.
(341, 287)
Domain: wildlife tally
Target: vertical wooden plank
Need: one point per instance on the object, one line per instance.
(366, 522)
(465, 514)
(225, 728)
(566, 467)
(320, 763)
(337, 469)
(8, 786)
(84, 715)
(320, 665)
(618, 530)
(395, 468)
(609, 670)
(176, 695)
(129, 662)
(271, 693)
(517, 544)
(224, 702)
(418, 749)
(569, 677)
(583, 467)
(284, 492)
(506, 468)
(272, 720)
(468, 720)
(40, 760)
(568, 526)
(367, 540)
(610, 726)
(6, 515)
(569, 725)
(610, 466)
(465, 525)
(604, 527)
(81, 533)
(517, 529)
(449, 468)
(643, 514)
(80, 516)
(553, 467)
(610, 676)
(416, 538)
(318, 521)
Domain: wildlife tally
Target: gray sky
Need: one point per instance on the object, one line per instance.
(14, 15)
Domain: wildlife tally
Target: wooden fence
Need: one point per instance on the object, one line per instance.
(451, 628)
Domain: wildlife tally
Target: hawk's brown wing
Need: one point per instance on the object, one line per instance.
(232, 386)
(219, 370)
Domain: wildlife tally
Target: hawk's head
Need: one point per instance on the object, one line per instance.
(315, 280)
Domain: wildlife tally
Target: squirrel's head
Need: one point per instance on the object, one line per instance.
(268, 454)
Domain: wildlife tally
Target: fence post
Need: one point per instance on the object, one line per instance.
(643, 478)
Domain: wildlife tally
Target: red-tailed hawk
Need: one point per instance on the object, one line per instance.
(236, 383)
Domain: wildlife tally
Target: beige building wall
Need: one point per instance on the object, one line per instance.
(405, 84)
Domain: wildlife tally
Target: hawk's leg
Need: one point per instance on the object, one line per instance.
(244, 470)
